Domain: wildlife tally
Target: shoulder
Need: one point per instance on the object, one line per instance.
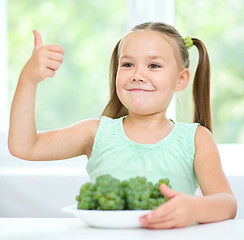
(187, 127)
(186, 131)
(207, 154)
(89, 126)
(184, 136)
(206, 147)
(90, 123)
(199, 133)
(207, 164)
(100, 131)
(84, 133)
(92, 127)
(204, 137)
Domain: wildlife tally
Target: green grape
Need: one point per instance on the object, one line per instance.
(86, 199)
(136, 192)
(109, 193)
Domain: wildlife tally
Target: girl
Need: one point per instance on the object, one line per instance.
(134, 137)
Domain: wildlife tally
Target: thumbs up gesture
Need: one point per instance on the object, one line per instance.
(44, 62)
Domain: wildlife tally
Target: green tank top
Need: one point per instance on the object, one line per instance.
(172, 157)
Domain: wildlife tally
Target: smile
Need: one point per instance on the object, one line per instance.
(140, 90)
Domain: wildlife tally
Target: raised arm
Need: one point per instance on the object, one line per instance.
(23, 141)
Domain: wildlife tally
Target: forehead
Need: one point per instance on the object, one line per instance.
(147, 42)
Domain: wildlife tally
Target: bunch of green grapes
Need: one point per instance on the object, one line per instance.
(140, 194)
(87, 199)
(106, 194)
(137, 193)
(109, 193)
(156, 197)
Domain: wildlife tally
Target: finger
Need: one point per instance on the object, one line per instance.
(52, 64)
(49, 72)
(56, 56)
(167, 192)
(145, 221)
(37, 39)
(55, 48)
(161, 225)
(163, 211)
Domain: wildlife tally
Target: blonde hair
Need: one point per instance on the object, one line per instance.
(201, 83)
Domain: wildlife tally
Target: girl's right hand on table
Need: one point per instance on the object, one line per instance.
(44, 62)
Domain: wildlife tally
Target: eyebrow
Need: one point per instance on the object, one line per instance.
(151, 57)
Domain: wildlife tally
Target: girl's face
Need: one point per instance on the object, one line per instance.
(148, 73)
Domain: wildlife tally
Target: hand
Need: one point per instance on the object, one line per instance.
(178, 211)
(45, 60)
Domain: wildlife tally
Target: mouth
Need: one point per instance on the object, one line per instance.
(139, 90)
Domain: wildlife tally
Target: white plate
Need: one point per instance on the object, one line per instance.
(109, 218)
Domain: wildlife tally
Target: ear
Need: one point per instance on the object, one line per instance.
(183, 80)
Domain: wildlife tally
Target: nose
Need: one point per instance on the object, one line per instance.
(139, 75)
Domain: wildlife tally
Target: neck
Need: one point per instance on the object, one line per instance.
(147, 120)
(147, 129)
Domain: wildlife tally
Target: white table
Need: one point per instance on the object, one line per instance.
(72, 229)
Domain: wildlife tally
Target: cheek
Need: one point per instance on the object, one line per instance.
(168, 82)
(119, 85)
(117, 82)
(120, 80)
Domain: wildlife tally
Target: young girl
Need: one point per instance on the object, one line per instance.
(134, 137)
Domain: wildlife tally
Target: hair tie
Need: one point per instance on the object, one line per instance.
(188, 42)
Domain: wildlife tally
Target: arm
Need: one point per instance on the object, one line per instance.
(218, 202)
(23, 141)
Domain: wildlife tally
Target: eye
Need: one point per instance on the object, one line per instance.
(128, 65)
(154, 65)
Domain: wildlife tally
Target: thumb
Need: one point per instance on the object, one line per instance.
(167, 192)
(37, 39)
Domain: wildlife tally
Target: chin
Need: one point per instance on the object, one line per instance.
(143, 112)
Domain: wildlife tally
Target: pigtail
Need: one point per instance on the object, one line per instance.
(114, 108)
(201, 87)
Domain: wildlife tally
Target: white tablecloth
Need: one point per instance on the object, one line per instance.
(72, 229)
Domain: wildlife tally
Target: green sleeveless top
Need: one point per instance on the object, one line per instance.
(172, 157)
